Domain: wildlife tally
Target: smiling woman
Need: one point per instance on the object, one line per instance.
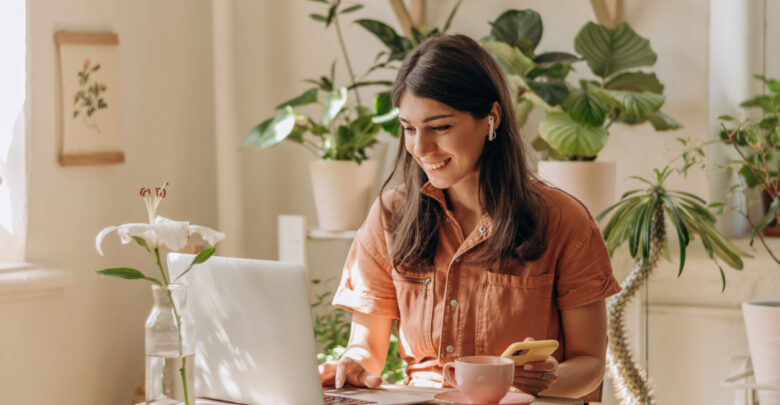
(472, 253)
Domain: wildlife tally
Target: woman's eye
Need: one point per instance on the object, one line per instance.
(441, 128)
(408, 129)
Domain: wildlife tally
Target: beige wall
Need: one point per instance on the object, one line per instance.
(84, 345)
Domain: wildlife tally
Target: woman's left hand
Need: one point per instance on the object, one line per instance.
(536, 376)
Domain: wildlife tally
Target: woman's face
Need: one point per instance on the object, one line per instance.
(445, 142)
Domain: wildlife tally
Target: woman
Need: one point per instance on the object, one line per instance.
(472, 252)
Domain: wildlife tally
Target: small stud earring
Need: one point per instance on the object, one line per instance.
(492, 131)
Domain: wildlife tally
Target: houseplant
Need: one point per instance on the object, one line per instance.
(639, 218)
(578, 118)
(756, 142)
(339, 136)
(169, 346)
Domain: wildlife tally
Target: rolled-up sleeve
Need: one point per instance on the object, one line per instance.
(366, 283)
(585, 271)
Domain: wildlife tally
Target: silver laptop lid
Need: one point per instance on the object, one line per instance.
(254, 341)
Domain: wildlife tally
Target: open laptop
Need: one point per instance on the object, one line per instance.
(254, 337)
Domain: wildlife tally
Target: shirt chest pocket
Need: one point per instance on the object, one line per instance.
(511, 308)
(415, 306)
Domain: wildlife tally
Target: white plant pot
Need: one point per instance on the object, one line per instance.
(593, 183)
(762, 321)
(342, 192)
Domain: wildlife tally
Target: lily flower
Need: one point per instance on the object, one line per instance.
(160, 230)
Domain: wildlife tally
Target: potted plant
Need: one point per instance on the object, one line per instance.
(756, 143)
(639, 218)
(343, 179)
(578, 118)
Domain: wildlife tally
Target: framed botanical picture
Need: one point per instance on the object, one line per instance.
(88, 111)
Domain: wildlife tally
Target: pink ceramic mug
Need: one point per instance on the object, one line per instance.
(484, 379)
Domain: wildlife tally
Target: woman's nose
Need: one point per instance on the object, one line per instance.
(424, 145)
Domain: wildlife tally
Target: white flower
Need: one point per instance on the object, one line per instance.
(163, 231)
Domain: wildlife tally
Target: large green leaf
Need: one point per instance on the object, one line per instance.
(550, 58)
(273, 130)
(308, 97)
(514, 27)
(333, 106)
(510, 58)
(643, 103)
(397, 44)
(569, 137)
(609, 51)
(636, 81)
(585, 108)
(663, 122)
(553, 93)
(127, 274)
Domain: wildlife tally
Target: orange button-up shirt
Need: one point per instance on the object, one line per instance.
(462, 308)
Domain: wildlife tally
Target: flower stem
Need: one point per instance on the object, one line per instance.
(162, 271)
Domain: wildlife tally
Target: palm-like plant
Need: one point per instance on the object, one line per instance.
(639, 218)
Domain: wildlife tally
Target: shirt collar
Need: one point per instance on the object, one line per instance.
(438, 194)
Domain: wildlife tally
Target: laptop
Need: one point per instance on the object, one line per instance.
(254, 337)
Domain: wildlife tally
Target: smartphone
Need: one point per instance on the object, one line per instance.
(524, 352)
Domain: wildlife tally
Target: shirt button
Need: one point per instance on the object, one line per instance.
(454, 303)
(457, 259)
(482, 229)
(450, 349)
(447, 219)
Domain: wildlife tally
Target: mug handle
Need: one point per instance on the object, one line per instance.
(447, 375)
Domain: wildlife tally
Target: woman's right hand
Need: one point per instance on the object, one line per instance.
(346, 370)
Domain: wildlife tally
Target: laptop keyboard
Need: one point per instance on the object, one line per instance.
(335, 399)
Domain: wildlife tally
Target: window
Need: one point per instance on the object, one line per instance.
(12, 130)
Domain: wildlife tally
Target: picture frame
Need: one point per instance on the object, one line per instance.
(88, 111)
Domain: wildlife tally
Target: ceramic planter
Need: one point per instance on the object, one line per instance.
(593, 183)
(762, 321)
(342, 192)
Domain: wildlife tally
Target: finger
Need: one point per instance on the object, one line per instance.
(521, 372)
(529, 389)
(547, 365)
(327, 372)
(531, 382)
(341, 373)
(359, 377)
(528, 339)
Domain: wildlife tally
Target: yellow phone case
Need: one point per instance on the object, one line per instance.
(524, 352)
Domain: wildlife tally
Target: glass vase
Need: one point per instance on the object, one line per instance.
(170, 357)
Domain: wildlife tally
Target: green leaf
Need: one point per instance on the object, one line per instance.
(663, 122)
(334, 105)
(397, 44)
(772, 84)
(203, 255)
(352, 9)
(682, 230)
(141, 242)
(553, 93)
(569, 137)
(643, 103)
(318, 17)
(725, 118)
(585, 108)
(636, 81)
(451, 16)
(554, 72)
(510, 58)
(308, 97)
(273, 130)
(331, 15)
(770, 215)
(127, 273)
(514, 26)
(370, 83)
(762, 101)
(551, 58)
(608, 51)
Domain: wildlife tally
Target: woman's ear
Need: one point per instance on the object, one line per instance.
(495, 111)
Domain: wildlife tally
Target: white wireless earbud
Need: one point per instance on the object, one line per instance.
(492, 132)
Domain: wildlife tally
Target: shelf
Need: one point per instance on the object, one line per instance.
(321, 234)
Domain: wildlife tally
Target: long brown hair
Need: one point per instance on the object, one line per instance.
(456, 71)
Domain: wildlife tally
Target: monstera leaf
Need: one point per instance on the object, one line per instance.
(569, 137)
(608, 51)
